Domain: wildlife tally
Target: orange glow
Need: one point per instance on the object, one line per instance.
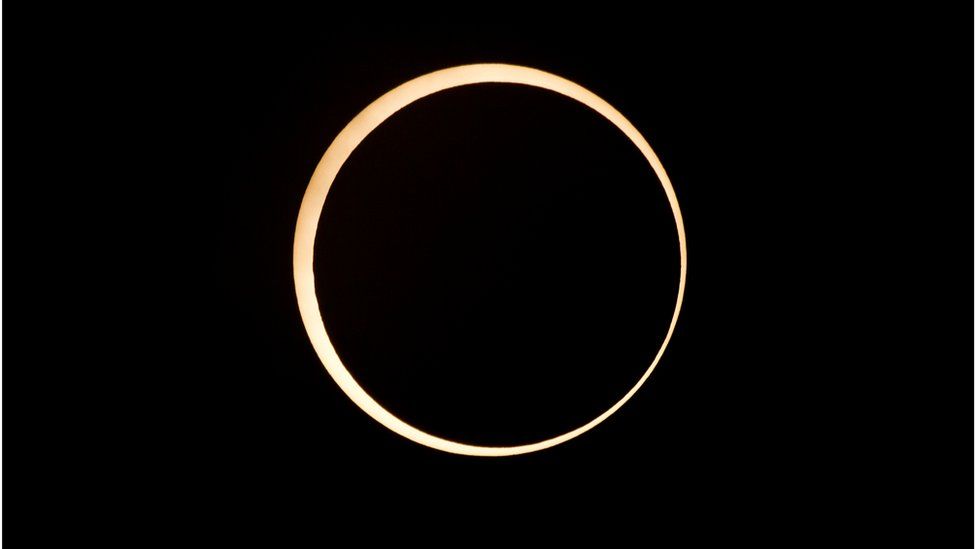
(338, 152)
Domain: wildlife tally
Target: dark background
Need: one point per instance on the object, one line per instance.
(817, 384)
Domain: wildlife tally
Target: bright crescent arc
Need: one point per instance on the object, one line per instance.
(337, 154)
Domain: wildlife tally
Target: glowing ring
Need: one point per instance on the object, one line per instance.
(338, 152)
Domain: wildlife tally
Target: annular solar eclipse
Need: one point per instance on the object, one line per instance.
(340, 150)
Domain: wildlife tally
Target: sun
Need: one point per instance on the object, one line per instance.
(337, 154)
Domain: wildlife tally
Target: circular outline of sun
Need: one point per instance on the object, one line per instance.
(338, 152)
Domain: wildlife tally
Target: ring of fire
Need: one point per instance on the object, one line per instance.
(343, 146)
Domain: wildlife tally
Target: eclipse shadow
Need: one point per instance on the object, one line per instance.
(497, 264)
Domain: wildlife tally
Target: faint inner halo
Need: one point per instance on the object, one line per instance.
(338, 152)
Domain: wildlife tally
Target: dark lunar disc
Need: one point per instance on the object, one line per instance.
(496, 264)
